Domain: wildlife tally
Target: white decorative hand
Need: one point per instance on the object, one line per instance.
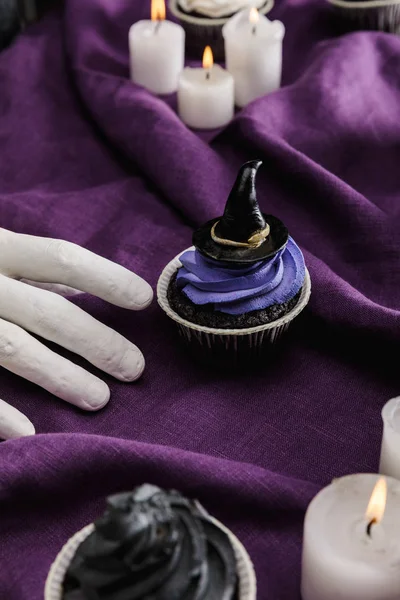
(27, 265)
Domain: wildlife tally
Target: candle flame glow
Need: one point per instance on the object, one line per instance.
(157, 10)
(254, 16)
(377, 503)
(208, 59)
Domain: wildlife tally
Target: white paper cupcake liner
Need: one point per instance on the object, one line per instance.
(53, 589)
(203, 31)
(236, 345)
(383, 15)
(54, 583)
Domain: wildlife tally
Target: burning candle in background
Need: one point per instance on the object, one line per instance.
(351, 546)
(390, 450)
(206, 95)
(376, 505)
(253, 50)
(157, 50)
(254, 17)
(208, 61)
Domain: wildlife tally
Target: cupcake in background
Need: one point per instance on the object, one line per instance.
(152, 543)
(203, 21)
(235, 293)
(382, 15)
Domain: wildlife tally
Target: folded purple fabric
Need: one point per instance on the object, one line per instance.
(88, 156)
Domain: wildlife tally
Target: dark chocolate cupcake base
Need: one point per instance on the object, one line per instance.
(377, 18)
(206, 316)
(238, 348)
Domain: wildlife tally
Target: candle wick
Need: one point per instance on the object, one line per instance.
(208, 75)
(254, 30)
(158, 25)
(369, 527)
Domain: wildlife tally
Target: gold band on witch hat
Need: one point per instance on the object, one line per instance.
(254, 241)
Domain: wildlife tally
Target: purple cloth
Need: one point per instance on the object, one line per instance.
(90, 157)
(239, 290)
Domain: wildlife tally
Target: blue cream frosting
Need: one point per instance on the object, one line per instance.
(238, 290)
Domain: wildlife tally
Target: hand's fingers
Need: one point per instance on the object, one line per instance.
(56, 288)
(56, 261)
(58, 320)
(13, 424)
(23, 355)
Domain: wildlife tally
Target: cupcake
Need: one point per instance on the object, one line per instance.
(203, 21)
(154, 544)
(383, 15)
(9, 23)
(238, 289)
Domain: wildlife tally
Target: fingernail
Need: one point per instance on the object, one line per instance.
(132, 365)
(16, 427)
(143, 295)
(28, 428)
(97, 395)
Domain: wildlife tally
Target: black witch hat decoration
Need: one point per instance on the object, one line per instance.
(243, 234)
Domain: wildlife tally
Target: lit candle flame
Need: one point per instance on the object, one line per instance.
(157, 10)
(377, 503)
(208, 59)
(254, 16)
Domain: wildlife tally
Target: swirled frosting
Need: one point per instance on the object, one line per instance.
(154, 545)
(239, 290)
(217, 9)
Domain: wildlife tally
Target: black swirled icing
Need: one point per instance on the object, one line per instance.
(154, 545)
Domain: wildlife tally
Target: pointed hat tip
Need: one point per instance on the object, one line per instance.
(252, 165)
(242, 217)
(243, 234)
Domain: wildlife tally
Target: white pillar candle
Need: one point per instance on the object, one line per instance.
(390, 450)
(253, 50)
(351, 548)
(206, 95)
(157, 51)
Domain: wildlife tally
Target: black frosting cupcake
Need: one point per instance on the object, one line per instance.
(153, 545)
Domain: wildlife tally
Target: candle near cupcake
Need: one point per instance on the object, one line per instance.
(206, 95)
(351, 545)
(157, 51)
(390, 449)
(253, 49)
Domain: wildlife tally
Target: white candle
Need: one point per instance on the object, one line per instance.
(350, 553)
(206, 95)
(390, 450)
(253, 50)
(157, 51)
